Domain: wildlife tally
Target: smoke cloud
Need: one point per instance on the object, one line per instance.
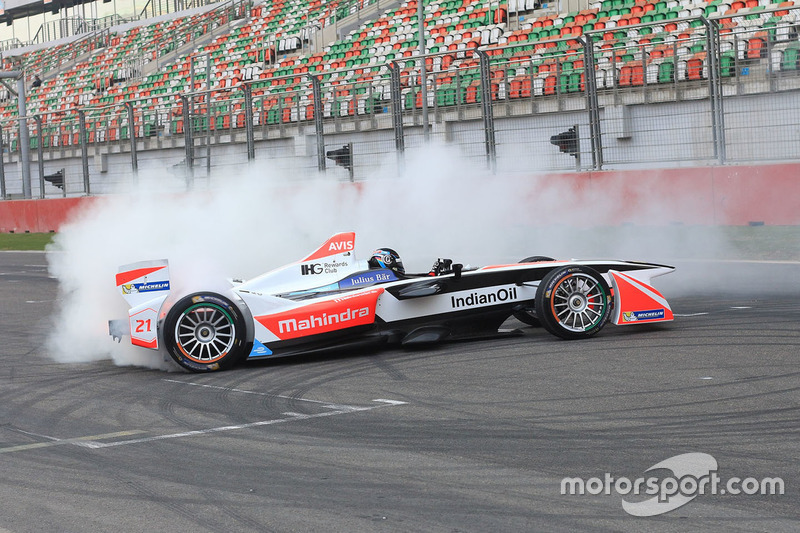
(242, 226)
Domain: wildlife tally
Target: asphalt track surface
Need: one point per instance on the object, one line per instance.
(461, 437)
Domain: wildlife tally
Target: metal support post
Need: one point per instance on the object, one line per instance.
(488, 111)
(132, 134)
(318, 111)
(24, 139)
(40, 156)
(592, 104)
(423, 69)
(208, 133)
(84, 150)
(248, 122)
(352, 161)
(397, 107)
(188, 141)
(208, 115)
(715, 90)
(2, 168)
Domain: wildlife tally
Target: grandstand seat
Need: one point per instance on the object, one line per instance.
(789, 59)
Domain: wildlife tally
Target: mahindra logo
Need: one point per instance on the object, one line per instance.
(321, 321)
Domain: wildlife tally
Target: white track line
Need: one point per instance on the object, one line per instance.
(290, 417)
(230, 389)
(53, 441)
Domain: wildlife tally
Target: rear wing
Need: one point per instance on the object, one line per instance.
(145, 286)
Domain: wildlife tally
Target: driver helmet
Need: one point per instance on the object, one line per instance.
(387, 258)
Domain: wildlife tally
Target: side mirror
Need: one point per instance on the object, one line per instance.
(457, 271)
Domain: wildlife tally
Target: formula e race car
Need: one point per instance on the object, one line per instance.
(329, 300)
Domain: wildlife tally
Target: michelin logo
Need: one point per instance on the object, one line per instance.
(636, 316)
(133, 288)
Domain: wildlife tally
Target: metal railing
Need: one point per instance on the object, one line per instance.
(706, 93)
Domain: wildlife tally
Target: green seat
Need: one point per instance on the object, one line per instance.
(563, 82)
(575, 81)
(372, 105)
(789, 61)
(408, 101)
(727, 64)
(666, 72)
(446, 95)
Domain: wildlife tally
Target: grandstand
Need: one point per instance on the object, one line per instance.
(672, 82)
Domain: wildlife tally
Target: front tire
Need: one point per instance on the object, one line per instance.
(204, 332)
(573, 302)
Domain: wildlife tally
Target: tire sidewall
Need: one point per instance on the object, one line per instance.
(234, 355)
(544, 295)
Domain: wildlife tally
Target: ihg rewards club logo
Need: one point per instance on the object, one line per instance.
(693, 474)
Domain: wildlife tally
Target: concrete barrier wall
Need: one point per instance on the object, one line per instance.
(39, 216)
(730, 195)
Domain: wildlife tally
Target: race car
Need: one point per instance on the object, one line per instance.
(329, 300)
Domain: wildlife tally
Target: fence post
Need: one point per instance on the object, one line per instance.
(715, 89)
(248, 122)
(590, 86)
(24, 140)
(84, 150)
(2, 168)
(397, 108)
(40, 155)
(488, 110)
(132, 133)
(187, 135)
(318, 111)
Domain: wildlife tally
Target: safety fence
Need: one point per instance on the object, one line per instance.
(691, 91)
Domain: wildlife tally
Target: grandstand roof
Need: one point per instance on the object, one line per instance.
(19, 9)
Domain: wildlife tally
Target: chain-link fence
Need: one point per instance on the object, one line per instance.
(679, 92)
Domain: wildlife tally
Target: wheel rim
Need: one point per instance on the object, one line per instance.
(205, 333)
(578, 302)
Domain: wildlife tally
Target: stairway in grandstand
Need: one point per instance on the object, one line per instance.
(637, 43)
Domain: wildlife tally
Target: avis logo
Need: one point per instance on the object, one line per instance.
(341, 246)
(313, 268)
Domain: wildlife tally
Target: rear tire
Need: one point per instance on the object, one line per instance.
(528, 315)
(204, 332)
(573, 302)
